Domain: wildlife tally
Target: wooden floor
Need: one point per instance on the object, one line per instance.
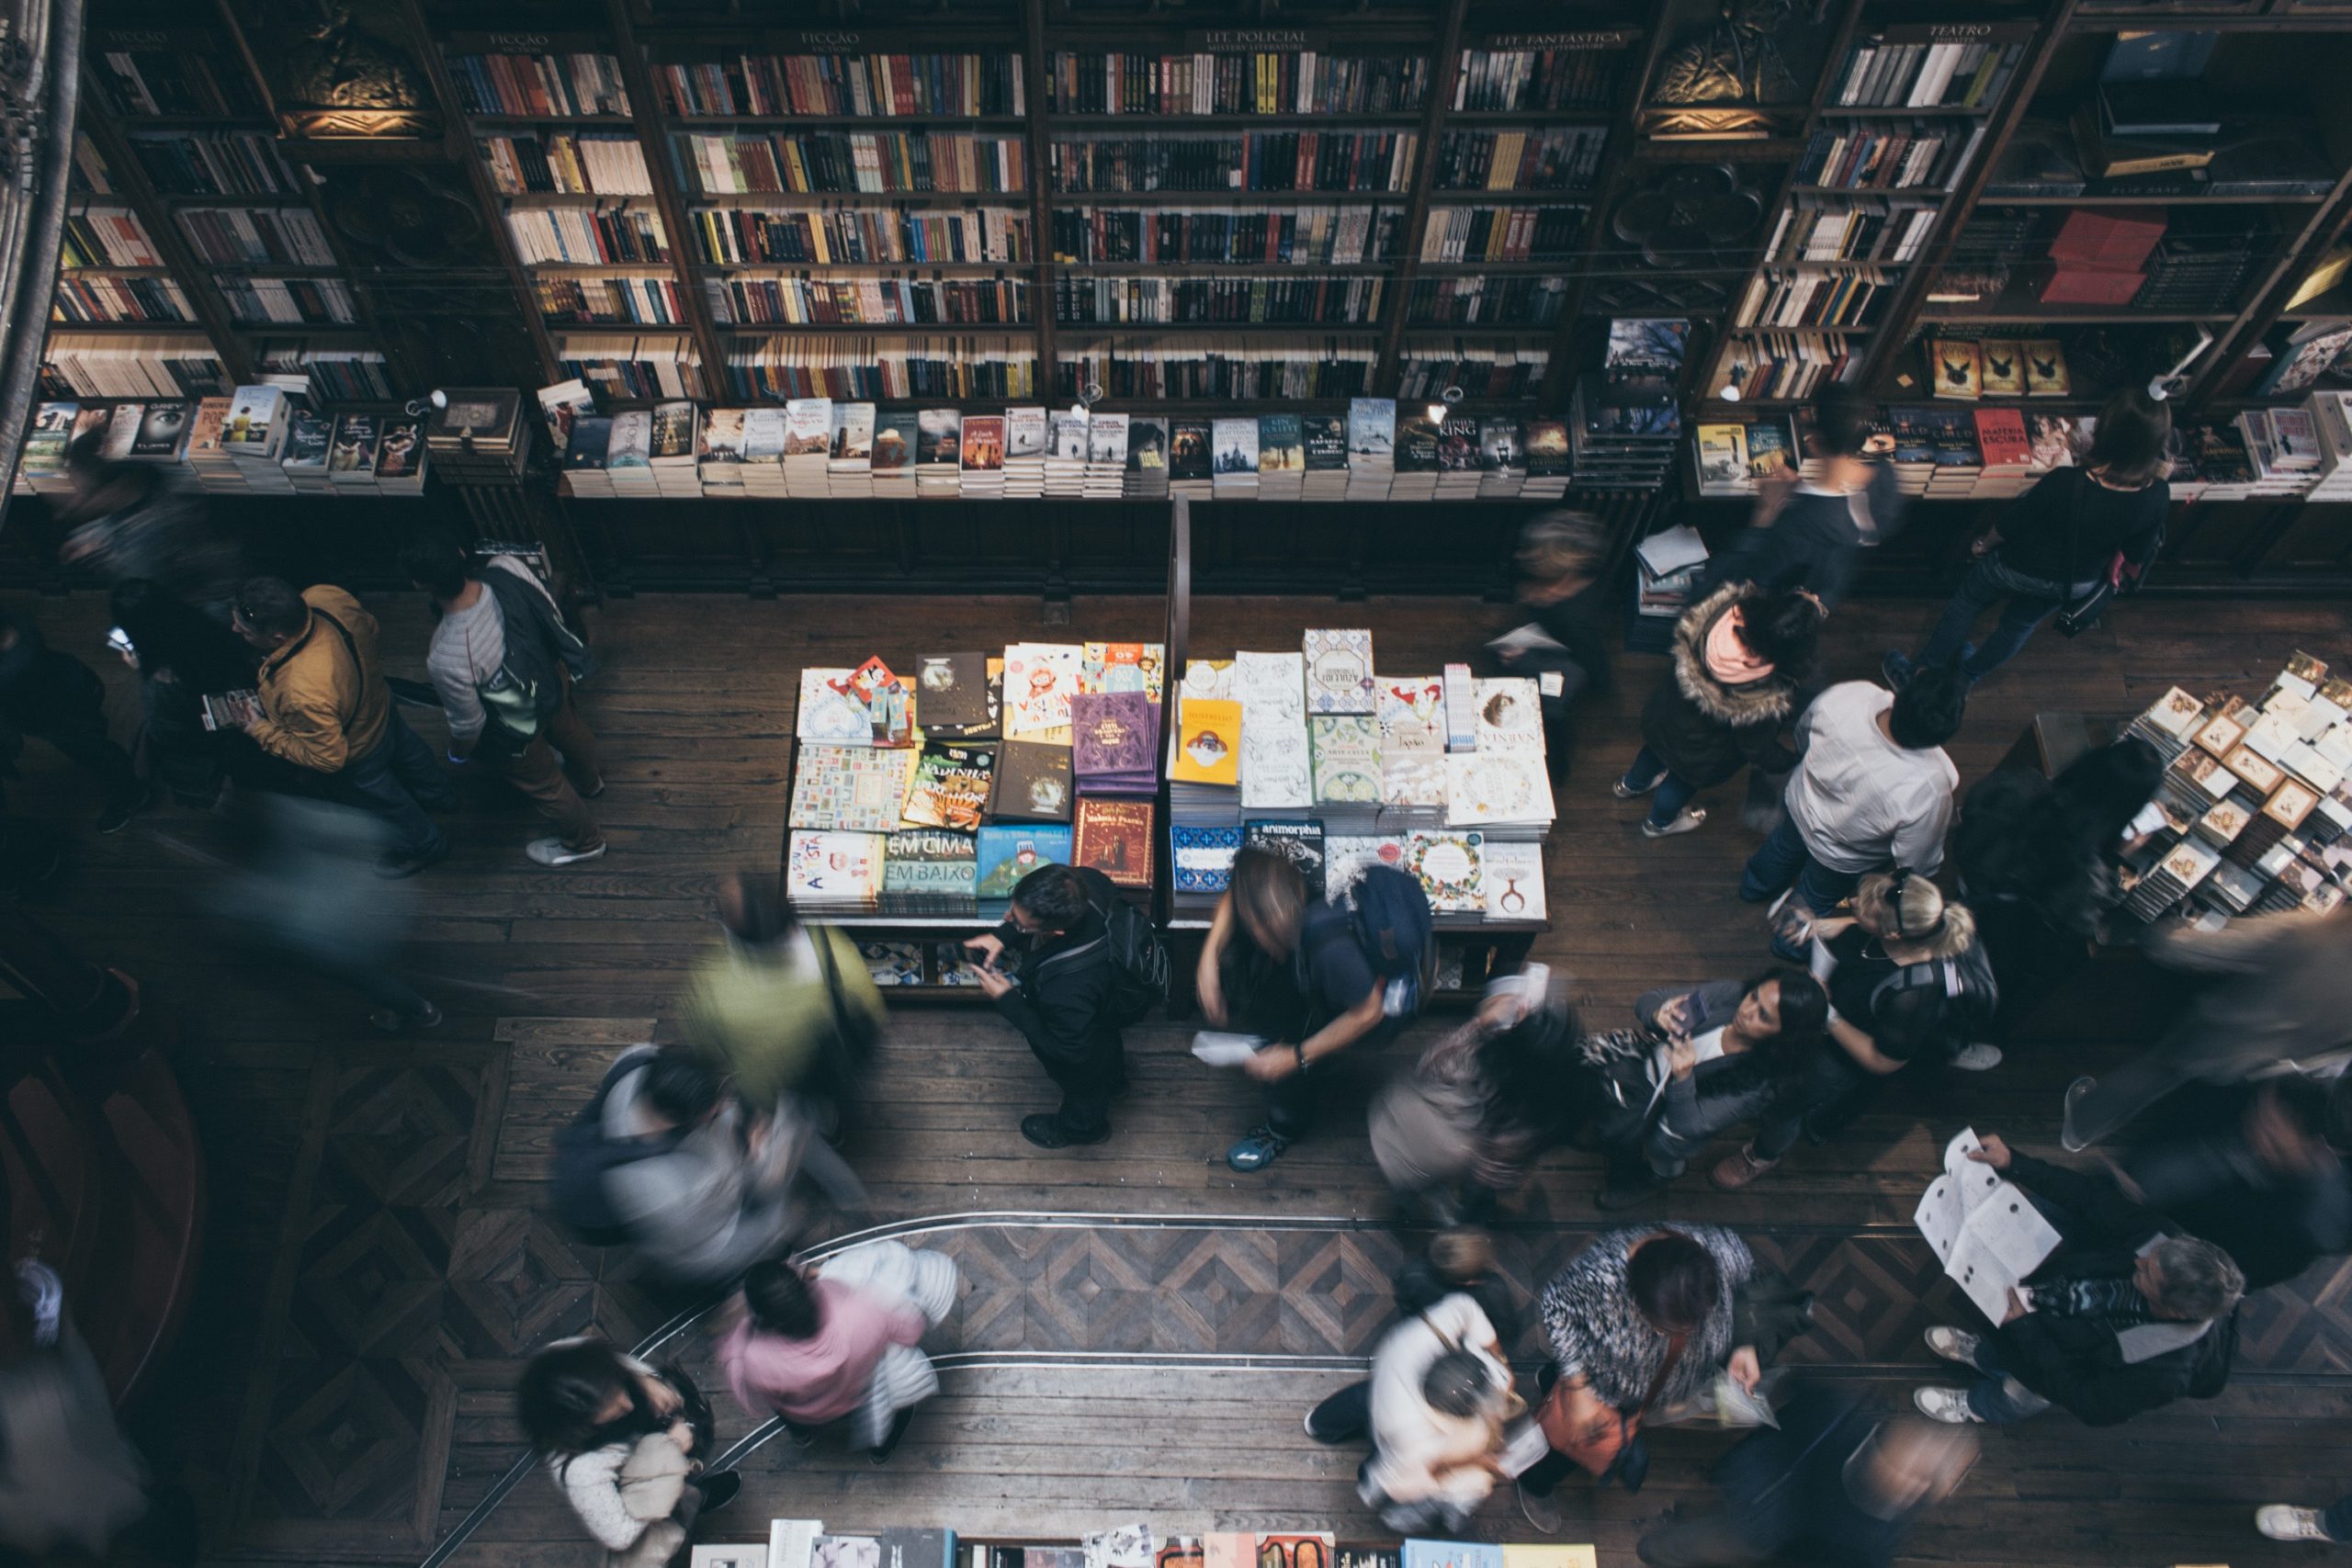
(378, 1267)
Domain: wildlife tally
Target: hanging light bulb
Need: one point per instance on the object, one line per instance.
(1443, 405)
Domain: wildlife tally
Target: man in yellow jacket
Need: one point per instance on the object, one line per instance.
(325, 708)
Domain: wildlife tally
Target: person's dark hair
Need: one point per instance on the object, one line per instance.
(679, 1087)
(272, 605)
(1782, 627)
(1053, 896)
(1928, 711)
(1842, 417)
(436, 560)
(1269, 896)
(562, 1390)
(1674, 1282)
(1457, 1383)
(751, 907)
(2098, 793)
(781, 1302)
(2132, 442)
(1524, 1066)
(1805, 1015)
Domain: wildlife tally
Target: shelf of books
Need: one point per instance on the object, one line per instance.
(918, 802)
(801, 1543)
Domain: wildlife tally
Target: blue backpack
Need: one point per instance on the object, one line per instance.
(1393, 928)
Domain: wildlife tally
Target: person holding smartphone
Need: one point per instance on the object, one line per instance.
(1063, 998)
(52, 695)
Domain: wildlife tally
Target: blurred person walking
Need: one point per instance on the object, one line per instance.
(54, 695)
(1560, 558)
(182, 656)
(125, 522)
(325, 708)
(502, 659)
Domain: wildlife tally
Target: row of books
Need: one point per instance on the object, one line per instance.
(560, 163)
(213, 163)
(330, 371)
(804, 1543)
(1927, 75)
(118, 300)
(1241, 236)
(632, 369)
(581, 236)
(2255, 807)
(1485, 370)
(1509, 81)
(255, 235)
(1198, 370)
(1232, 83)
(865, 85)
(1624, 420)
(1804, 299)
(161, 81)
(1858, 155)
(870, 301)
(539, 86)
(752, 163)
(817, 447)
(1807, 231)
(852, 236)
(1970, 368)
(261, 439)
(130, 364)
(1762, 364)
(1475, 301)
(591, 300)
(288, 301)
(1462, 235)
(1560, 159)
(1119, 301)
(903, 367)
(1257, 160)
(107, 236)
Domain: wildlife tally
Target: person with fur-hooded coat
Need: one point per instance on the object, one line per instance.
(1740, 655)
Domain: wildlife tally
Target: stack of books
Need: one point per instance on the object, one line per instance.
(939, 452)
(307, 437)
(478, 436)
(1372, 449)
(808, 445)
(260, 423)
(1625, 424)
(1189, 458)
(1026, 434)
(1203, 780)
(1417, 433)
(672, 456)
(1106, 457)
(849, 461)
(1066, 451)
(1147, 473)
(1323, 439)
(718, 453)
(1282, 457)
(2284, 444)
(1233, 464)
(1457, 458)
(980, 466)
(892, 468)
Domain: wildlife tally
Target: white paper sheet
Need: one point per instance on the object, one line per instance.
(1985, 1232)
(1222, 1050)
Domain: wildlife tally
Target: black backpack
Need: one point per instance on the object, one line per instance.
(585, 1156)
(1939, 1005)
(1392, 912)
(1139, 967)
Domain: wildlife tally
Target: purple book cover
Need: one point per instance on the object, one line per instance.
(1112, 732)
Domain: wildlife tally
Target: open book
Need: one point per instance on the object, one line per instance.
(1985, 1232)
(230, 710)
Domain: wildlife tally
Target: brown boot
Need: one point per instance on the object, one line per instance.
(1734, 1171)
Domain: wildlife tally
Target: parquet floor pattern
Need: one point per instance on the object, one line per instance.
(379, 1263)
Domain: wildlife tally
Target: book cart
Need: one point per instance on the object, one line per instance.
(1488, 945)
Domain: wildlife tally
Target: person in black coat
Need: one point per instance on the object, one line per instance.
(1836, 1484)
(2256, 1172)
(52, 695)
(2125, 1316)
(1806, 532)
(1740, 655)
(1559, 558)
(184, 655)
(1061, 1000)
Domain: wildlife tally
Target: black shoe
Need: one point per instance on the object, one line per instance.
(396, 865)
(889, 1443)
(395, 1023)
(1048, 1133)
(1621, 1193)
(718, 1489)
(116, 815)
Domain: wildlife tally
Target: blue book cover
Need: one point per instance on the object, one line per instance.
(1453, 1554)
(1010, 853)
(1203, 857)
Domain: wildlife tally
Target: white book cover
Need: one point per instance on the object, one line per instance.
(1511, 715)
(833, 868)
(1347, 856)
(762, 433)
(1025, 435)
(1275, 774)
(808, 427)
(1270, 683)
(1408, 778)
(1208, 678)
(1411, 710)
(828, 712)
(1514, 882)
(1040, 678)
(1483, 787)
(792, 1543)
(1339, 671)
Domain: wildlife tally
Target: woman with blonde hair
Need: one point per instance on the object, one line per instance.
(1908, 982)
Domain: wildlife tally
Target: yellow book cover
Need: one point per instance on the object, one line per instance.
(1210, 749)
(1548, 1556)
(2004, 369)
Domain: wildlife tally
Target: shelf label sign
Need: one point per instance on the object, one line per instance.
(1959, 33)
(1270, 41)
(1588, 37)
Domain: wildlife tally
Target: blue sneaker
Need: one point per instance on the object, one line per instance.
(1897, 670)
(1256, 1152)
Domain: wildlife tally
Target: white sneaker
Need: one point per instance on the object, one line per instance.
(1542, 1513)
(2073, 1142)
(1949, 1405)
(550, 851)
(2282, 1522)
(1955, 1344)
(1688, 820)
(1977, 1058)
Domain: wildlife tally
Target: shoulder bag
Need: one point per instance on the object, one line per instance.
(1596, 1435)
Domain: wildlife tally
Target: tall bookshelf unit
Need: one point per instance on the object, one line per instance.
(1171, 208)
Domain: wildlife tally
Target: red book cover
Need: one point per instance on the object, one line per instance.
(1114, 837)
(2000, 435)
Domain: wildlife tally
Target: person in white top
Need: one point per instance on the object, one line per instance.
(1439, 1395)
(1874, 790)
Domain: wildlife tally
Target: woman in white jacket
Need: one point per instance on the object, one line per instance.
(623, 1442)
